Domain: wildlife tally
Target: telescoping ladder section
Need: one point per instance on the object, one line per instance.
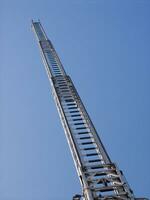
(99, 177)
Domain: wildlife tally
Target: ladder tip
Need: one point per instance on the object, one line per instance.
(32, 21)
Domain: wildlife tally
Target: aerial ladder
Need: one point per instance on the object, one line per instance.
(100, 178)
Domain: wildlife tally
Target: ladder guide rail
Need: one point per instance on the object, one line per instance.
(100, 178)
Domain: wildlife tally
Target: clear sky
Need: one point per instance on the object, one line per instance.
(104, 46)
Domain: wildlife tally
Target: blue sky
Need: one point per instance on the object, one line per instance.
(104, 46)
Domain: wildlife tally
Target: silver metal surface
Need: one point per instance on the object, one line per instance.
(100, 178)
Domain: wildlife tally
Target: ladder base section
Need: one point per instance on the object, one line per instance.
(100, 178)
(80, 197)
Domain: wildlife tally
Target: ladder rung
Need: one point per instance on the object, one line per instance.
(90, 148)
(79, 119)
(96, 160)
(106, 172)
(96, 167)
(70, 108)
(62, 81)
(74, 111)
(71, 104)
(82, 133)
(107, 188)
(92, 154)
(108, 166)
(98, 172)
(84, 143)
(77, 115)
(79, 128)
(107, 180)
(69, 100)
(83, 138)
(63, 87)
(66, 96)
(64, 90)
(81, 123)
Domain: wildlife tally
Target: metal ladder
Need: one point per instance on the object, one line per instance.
(100, 178)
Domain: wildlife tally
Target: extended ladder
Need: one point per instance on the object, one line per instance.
(100, 178)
